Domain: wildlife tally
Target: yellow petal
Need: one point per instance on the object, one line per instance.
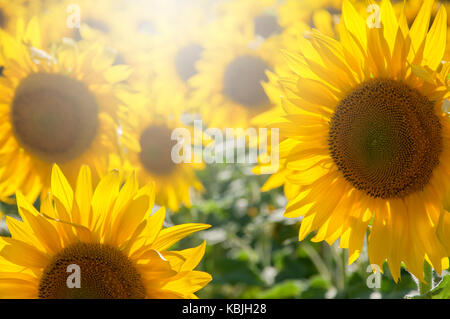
(104, 196)
(61, 189)
(390, 24)
(354, 22)
(436, 40)
(169, 236)
(421, 23)
(189, 282)
(83, 195)
(23, 254)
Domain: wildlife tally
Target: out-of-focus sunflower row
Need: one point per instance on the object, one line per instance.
(144, 64)
(137, 65)
(99, 86)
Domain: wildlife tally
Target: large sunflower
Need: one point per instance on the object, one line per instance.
(54, 109)
(109, 233)
(367, 140)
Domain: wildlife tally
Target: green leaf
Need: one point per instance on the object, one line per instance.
(284, 290)
(442, 290)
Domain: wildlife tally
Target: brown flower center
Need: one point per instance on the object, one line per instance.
(185, 60)
(146, 27)
(54, 117)
(242, 81)
(266, 25)
(104, 273)
(97, 25)
(386, 139)
(2, 19)
(156, 147)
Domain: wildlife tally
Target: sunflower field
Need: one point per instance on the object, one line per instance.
(224, 149)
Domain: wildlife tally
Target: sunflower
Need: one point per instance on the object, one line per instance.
(260, 16)
(367, 140)
(264, 22)
(171, 61)
(144, 19)
(228, 90)
(146, 137)
(98, 19)
(155, 26)
(54, 109)
(109, 233)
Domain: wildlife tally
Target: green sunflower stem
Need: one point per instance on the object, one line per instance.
(425, 287)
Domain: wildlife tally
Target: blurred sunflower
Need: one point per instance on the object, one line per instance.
(147, 138)
(228, 88)
(323, 15)
(144, 19)
(59, 109)
(368, 140)
(108, 232)
(83, 19)
(259, 16)
(263, 22)
(172, 60)
(36, 6)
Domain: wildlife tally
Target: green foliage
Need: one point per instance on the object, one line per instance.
(442, 290)
(253, 251)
